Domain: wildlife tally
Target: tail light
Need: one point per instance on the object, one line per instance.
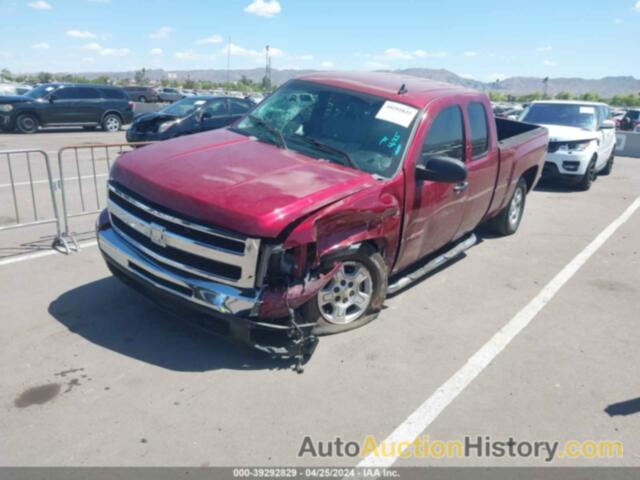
(131, 105)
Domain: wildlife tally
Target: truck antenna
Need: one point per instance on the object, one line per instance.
(403, 89)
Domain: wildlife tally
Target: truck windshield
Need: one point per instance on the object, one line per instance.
(342, 126)
(568, 115)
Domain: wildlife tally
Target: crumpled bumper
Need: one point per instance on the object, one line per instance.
(218, 308)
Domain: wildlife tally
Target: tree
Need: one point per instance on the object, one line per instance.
(189, 84)
(590, 97)
(140, 77)
(44, 77)
(563, 96)
(5, 75)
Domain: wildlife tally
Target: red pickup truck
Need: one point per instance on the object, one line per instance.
(337, 189)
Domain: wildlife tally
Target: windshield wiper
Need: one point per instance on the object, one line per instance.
(266, 126)
(329, 149)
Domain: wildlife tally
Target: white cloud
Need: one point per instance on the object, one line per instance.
(544, 49)
(397, 54)
(467, 76)
(238, 51)
(41, 45)
(89, 60)
(96, 47)
(306, 57)
(262, 8)
(186, 55)
(213, 39)
(617, 20)
(155, 51)
(550, 63)
(471, 54)
(80, 34)
(106, 52)
(40, 5)
(326, 64)
(99, 1)
(637, 6)
(162, 32)
(115, 52)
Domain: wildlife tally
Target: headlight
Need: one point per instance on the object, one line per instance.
(166, 126)
(579, 146)
(6, 108)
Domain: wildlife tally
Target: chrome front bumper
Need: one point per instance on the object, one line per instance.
(218, 297)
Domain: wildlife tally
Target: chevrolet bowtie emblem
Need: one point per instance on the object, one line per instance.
(157, 235)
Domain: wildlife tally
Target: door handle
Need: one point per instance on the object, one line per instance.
(460, 187)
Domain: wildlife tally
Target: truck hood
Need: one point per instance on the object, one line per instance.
(14, 99)
(229, 180)
(559, 133)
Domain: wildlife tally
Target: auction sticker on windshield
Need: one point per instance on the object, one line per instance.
(397, 113)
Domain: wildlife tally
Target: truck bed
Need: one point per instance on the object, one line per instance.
(522, 148)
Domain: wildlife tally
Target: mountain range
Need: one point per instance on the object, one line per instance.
(605, 87)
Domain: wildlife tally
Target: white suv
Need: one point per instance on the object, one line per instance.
(581, 139)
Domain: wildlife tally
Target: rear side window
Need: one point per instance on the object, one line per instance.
(479, 133)
(77, 93)
(216, 108)
(238, 107)
(445, 135)
(114, 94)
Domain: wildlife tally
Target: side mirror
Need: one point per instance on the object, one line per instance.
(608, 124)
(204, 115)
(439, 168)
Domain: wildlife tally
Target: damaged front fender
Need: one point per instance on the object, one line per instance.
(276, 302)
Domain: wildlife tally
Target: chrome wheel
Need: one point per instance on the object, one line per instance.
(515, 209)
(348, 294)
(112, 124)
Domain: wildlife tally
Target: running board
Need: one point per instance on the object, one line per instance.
(440, 260)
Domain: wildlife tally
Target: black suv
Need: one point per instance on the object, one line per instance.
(63, 104)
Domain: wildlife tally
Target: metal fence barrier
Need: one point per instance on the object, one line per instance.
(81, 191)
(26, 207)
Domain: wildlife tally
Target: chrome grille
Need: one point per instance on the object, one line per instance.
(191, 248)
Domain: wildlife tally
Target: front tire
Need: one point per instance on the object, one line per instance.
(353, 297)
(111, 123)
(509, 218)
(609, 166)
(589, 176)
(27, 123)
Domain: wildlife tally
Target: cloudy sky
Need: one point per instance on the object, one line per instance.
(481, 39)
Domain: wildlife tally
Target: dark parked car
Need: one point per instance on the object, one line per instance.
(630, 120)
(142, 94)
(166, 94)
(189, 115)
(62, 104)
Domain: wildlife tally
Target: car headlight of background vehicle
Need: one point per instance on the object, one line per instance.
(579, 146)
(6, 108)
(167, 125)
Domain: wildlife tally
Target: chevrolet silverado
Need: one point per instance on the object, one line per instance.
(300, 218)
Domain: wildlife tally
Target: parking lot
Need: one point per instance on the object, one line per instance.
(94, 374)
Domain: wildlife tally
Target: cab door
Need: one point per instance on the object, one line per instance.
(482, 164)
(215, 114)
(434, 210)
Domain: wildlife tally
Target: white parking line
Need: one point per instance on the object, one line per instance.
(44, 253)
(55, 180)
(433, 406)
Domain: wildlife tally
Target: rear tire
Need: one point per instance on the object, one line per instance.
(361, 286)
(111, 123)
(27, 123)
(589, 176)
(509, 218)
(609, 166)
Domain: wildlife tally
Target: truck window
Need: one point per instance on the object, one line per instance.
(238, 107)
(354, 129)
(479, 134)
(445, 135)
